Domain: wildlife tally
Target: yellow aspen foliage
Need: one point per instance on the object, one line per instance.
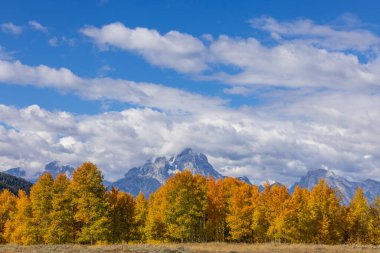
(90, 203)
(229, 186)
(374, 222)
(187, 208)
(259, 218)
(295, 225)
(275, 200)
(140, 216)
(41, 200)
(216, 210)
(17, 228)
(7, 207)
(240, 210)
(121, 214)
(63, 226)
(325, 214)
(187, 202)
(155, 227)
(358, 218)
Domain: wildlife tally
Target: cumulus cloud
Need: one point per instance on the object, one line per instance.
(320, 105)
(290, 65)
(271, 142)
(175, 50)
(11, 28)
(279, 140)
(306, 54)
(323, 36)
(140, 94)
(37, 26)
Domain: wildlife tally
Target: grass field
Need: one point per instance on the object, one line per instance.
(201, 247)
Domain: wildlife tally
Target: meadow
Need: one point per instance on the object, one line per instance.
(193, 247)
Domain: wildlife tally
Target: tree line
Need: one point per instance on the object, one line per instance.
(188, 208)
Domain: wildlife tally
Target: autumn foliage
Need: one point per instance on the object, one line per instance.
(188, 208)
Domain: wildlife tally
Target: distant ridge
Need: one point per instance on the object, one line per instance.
(13, 184)
(54, 168)
(347, 188)
(153, 173)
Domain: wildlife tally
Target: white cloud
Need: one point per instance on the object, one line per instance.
(275, 141)
(290, 65)
(141, 94)
(37, 26)
(324, 36)
(306, 54)
(297, 131)
(320, 106)
(175, 50)
(11, 28)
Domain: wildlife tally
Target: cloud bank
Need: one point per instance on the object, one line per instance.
(304, 54)
(320, 104)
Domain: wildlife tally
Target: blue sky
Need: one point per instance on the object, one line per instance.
(267, 89)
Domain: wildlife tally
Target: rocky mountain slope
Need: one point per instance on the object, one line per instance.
(151, 175)
(347, 188)
(148, 177)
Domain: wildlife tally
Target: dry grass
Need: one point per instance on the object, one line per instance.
(200, 247)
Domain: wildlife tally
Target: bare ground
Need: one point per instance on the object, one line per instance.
(200, 247)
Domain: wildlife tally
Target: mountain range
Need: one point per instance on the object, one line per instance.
(54, 168)
(153, 173)
(148, 177)
(345, 187)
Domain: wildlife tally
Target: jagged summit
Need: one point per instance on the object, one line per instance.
(153, 173)
(56, 167)
(148, 177)
(186, 151)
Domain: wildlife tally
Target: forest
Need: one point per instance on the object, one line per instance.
(188, 208)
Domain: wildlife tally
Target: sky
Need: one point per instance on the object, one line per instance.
(266, 89)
